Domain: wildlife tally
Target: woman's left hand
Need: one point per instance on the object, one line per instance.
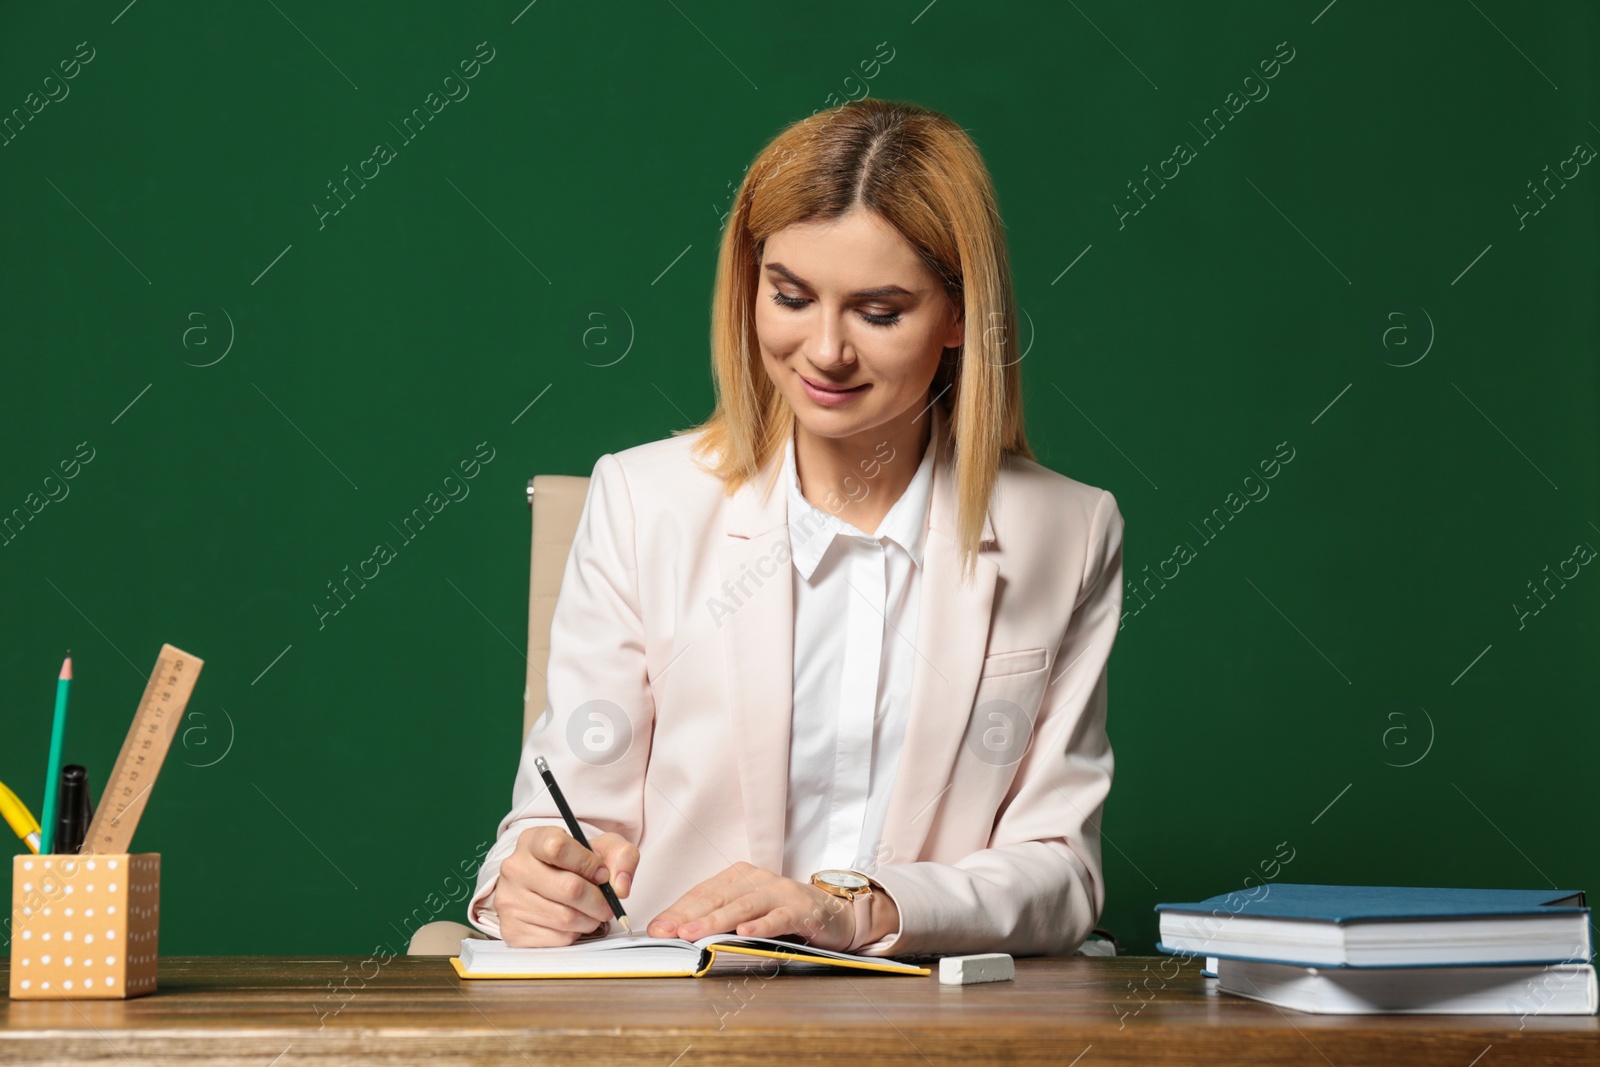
(754, 902)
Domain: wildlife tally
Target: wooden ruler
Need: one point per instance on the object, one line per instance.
(143, 751)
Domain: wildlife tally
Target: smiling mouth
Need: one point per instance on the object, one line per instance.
(823, 387)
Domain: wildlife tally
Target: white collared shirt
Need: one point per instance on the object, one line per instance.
(855, 628)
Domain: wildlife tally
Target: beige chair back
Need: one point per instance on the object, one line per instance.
(556, 501)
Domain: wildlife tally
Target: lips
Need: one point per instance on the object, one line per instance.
(825, 387)
(830, 396)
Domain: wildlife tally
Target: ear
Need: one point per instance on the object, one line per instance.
(956, 334)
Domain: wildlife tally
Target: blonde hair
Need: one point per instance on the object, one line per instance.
(920, 172)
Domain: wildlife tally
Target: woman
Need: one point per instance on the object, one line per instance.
(771, 722)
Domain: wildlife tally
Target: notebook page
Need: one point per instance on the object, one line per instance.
(797, 947)
(611, 953)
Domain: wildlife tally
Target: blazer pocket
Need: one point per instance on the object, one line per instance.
(1004, 710)
(1002, 664)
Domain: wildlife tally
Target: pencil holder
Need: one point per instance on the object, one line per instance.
(84, 927)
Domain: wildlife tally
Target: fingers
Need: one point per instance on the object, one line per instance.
(777, 923)
(715, 892)
(528, 920)
(776, 907)
(779, 907)
(725, 918)
(699, 900)
(557, 848)
(619, 858)
(564, 887)
(520, 934)
(549, 864)
(552, 915)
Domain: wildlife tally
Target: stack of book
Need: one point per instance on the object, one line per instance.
(1380, 950)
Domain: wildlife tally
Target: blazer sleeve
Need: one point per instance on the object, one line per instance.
(1037, 888)
(596, 726)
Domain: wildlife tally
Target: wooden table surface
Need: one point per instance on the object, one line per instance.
(287, 1010)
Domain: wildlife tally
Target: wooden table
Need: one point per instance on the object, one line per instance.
(283, 1010)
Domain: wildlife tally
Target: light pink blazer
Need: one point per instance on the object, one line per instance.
(673, 641)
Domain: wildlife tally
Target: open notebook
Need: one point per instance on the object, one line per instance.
(636, 955)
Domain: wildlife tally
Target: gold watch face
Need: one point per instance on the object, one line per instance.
(846, 880)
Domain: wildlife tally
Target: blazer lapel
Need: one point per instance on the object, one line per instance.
(952, 640)
(758, 586)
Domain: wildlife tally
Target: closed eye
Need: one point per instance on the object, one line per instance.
(795, 303)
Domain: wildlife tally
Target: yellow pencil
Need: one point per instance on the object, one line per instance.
(21, 819)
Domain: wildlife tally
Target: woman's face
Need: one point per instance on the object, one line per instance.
(850, 323)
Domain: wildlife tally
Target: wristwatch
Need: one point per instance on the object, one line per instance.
(855, 888)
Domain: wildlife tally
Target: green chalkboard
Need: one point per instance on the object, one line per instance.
(1353, 245)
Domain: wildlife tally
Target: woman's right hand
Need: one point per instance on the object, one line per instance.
(548, 892)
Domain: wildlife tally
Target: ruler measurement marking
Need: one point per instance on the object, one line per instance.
(155, 722)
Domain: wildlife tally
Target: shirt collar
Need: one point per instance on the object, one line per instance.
(812, 529)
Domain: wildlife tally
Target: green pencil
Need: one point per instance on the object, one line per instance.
(52, 778)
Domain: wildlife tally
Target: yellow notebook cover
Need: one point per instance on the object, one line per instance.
(624, 955)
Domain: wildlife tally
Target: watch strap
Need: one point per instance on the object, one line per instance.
(861, 903)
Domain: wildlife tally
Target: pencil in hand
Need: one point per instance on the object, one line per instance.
(577, 834)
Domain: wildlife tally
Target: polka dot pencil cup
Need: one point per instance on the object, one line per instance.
(83, 927)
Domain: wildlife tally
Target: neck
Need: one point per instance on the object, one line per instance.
(858, 478)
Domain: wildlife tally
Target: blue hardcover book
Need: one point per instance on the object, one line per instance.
(1381, 926)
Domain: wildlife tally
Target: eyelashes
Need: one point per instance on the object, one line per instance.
(795, 303)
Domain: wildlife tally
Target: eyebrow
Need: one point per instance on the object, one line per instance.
(875, 291)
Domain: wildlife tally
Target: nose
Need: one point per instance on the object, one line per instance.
(832, 352)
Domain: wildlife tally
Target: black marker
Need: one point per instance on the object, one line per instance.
(577, 834)
(72, 825)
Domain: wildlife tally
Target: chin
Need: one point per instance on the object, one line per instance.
(836, 423)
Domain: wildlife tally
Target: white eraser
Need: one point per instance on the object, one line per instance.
(970, 970)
